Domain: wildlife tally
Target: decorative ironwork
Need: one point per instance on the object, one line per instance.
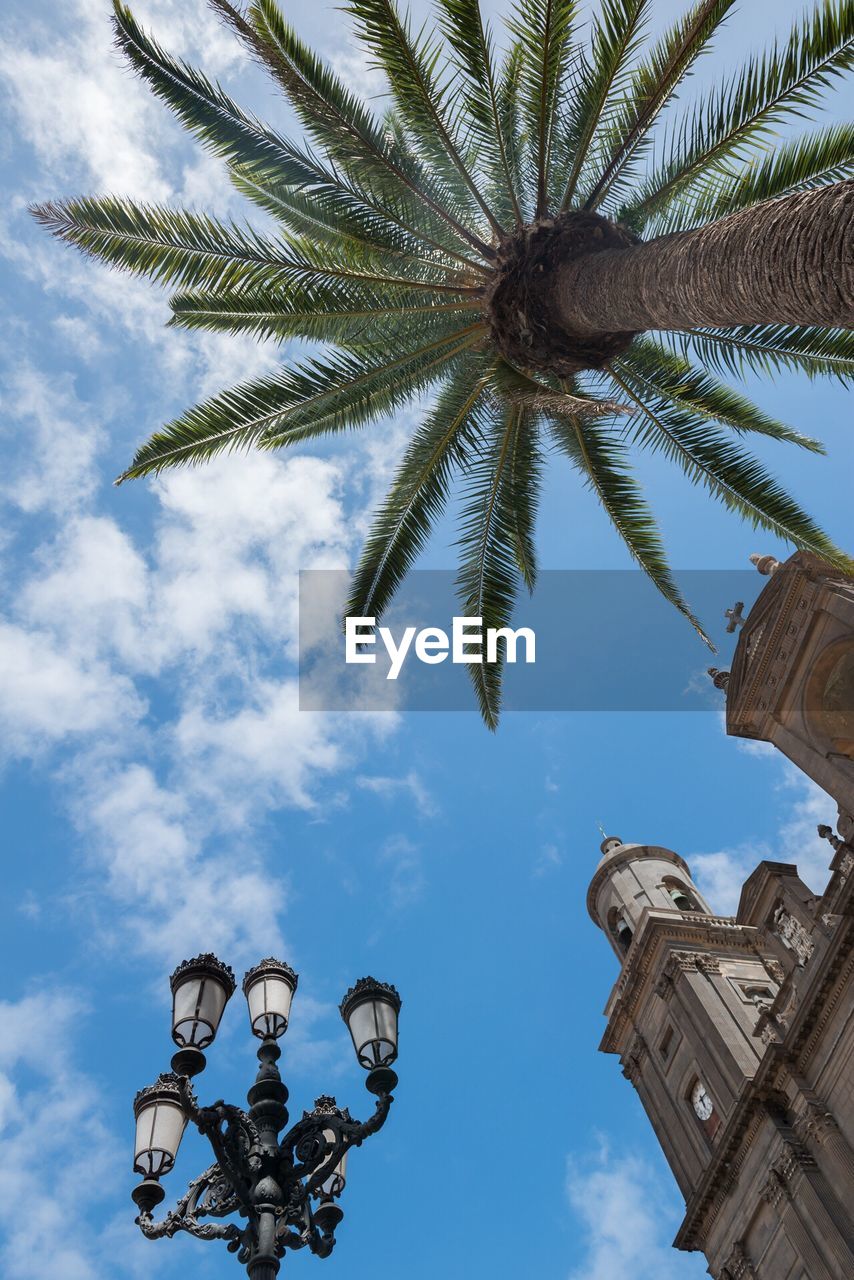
(365, 988)
(273, 1181)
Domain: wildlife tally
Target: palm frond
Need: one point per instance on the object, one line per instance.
(195, 251)
(344, 127)
(675, 379)
(603, 462)
(488, 576)
(543, 30)
(345, 316)
(330, 208)
(201, 106)
(779, 84)
(814, 160)
(410, 64)
(463, 27)
(652, 85)
(419, 493)
(298, 403)
(711, 459)
(617, 32)
(169, 245)
(771, 349)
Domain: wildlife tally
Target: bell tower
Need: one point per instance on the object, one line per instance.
(700, 1016)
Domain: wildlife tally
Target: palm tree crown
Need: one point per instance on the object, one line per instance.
(413, 246)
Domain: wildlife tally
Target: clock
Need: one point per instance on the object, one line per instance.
(701, 1102)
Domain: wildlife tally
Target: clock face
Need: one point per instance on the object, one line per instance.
(701, 1102)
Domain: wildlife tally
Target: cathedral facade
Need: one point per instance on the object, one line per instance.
(738, 1032)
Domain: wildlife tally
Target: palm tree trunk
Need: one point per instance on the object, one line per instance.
(787, 261)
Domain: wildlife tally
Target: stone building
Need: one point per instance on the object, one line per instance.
(738, 1032)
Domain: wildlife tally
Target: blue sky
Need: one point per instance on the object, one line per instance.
(162, 793)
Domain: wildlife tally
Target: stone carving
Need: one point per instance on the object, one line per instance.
(776, 970)
(707, 964)
(827, 833)
(735, 617)
(766, 565)
(738, 1265)
(720, 679)
(815, 1123)
(635, 1058)
(793, 935)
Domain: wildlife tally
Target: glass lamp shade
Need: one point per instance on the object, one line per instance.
(160, 1125)
(269, 989)
(370, 1009)
(334, 1183)
(201, 988)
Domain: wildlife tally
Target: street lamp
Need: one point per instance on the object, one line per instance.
(286, 1188)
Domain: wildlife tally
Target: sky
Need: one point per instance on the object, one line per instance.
(162, 794)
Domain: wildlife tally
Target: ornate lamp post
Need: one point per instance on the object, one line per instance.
(285, 1188)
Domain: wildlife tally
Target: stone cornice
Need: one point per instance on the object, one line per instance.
(660, 936)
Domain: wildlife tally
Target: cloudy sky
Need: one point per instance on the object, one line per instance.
(163, 794)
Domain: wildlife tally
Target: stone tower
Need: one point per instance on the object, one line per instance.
(738, 1035)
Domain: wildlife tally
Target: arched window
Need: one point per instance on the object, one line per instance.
(829, 699)
(682, 897)
(620, 929)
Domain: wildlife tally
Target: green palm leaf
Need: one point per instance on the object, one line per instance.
(345, 128)
(471, 40)
(296, 404)
(776, 85)
(177, 247)
(678, 381)
(708, 458)
(602, 78)
(543, 30)
(771, 349)
(420, 490)
(603, 462)
(323, 312)
(813, 160)
(652, 85)
(488, 577)
(422, 101)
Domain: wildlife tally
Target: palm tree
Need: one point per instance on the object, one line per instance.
(508, 237)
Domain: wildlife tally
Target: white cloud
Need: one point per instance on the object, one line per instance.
(51, 1115)
(45, 695)
(721, 874)
(53, 442)
(403, 874)
(410, 784)
(627, 1219)
(549, 859)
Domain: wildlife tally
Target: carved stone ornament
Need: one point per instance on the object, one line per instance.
(775, 971)
(738, 1265)
(815, 1124)
(635, 1058)
(793, 935)
(708, 964)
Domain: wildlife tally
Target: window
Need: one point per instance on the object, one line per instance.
(666, 1044)
(682, 897)
(620, 929)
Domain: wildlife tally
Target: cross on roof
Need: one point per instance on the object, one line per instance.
(736, 617)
